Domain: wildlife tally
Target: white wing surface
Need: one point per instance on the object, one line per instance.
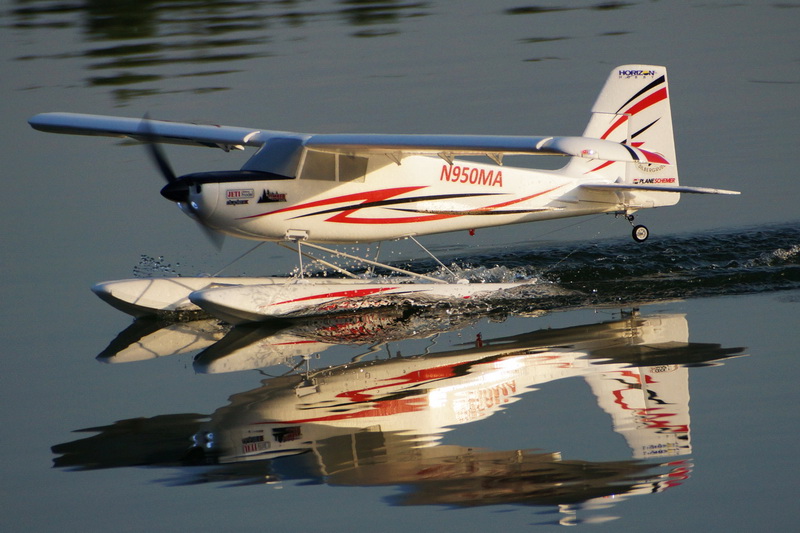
(225, 137)
(494, 146)
(446, 146)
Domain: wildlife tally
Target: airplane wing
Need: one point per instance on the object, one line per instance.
(494, 146)
(445, 146)
(656, 188)
(225, 137)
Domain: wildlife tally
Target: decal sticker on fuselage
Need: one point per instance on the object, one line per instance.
(239, 196)
(270, 196)
(471, 175)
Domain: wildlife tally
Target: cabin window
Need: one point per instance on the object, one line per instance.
(352, 167)
(319, 166)
(330, 167)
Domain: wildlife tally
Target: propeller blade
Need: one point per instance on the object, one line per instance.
(215, 238)
(154, 149)
(175, 190)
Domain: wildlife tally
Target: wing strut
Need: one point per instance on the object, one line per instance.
(373, 263)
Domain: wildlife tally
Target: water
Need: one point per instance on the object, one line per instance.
(524, 412)
(612, 272)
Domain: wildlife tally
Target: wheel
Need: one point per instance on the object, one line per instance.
(640, 233)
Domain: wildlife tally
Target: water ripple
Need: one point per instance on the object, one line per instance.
(727, 262)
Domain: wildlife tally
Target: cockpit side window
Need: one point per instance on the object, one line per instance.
(352, 168)
(333, 167)
(319, 166)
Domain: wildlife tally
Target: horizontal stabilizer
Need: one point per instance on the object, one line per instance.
(654, 188)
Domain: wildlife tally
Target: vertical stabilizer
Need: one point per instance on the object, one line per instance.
(649, 407)
(633, 109)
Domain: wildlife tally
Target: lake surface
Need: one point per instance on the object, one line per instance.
(634, 386)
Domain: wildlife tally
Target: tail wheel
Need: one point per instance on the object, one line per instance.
(640, 233)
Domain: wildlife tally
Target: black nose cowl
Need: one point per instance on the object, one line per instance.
(176, 191)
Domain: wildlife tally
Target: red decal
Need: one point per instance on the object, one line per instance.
(614, 126)
(471, 175)
(653, 157)
(369, 196)
(653, 99)
(604, 165)
(519, 200)
(341, 294)
(346, 216)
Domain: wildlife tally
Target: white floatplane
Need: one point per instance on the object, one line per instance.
(312, 189)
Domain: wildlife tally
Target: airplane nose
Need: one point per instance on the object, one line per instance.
(176, 191)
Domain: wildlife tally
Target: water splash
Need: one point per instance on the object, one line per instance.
(738, 261)
(597, 273)
(776, 257)
(154, 267)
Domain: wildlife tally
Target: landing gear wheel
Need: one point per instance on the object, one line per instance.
(640, 233)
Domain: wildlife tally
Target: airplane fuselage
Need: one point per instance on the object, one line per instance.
(385, 200)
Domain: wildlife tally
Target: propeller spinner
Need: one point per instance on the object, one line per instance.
(177, 188)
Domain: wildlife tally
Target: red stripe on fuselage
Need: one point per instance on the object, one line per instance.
(346, 218)
(368, 196)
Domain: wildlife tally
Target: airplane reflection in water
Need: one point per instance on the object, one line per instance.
(152, 337)
(381, 422)
(253, 346)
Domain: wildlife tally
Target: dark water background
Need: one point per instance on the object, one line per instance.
(746, 260)
(81, 210)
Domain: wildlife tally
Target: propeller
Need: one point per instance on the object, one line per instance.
(176, 189)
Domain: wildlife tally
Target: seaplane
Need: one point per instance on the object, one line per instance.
(309, 191)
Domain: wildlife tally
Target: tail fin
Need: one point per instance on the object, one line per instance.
(649, 406)
(633, 109)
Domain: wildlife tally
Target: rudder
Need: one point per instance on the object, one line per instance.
(633, 109)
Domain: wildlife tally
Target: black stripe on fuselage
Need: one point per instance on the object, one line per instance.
(475, 212)
(384, 203)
